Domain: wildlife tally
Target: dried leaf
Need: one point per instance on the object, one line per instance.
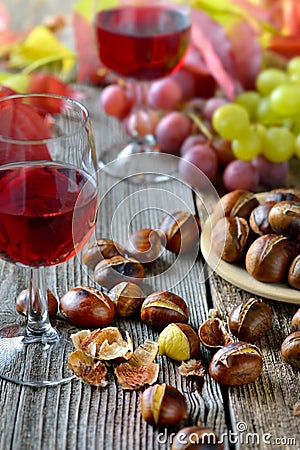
(84, 367)
(192, 367)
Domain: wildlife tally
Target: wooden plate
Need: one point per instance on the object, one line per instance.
(239, 277)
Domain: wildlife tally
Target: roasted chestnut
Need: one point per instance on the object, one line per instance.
(87, 307)
(283, 194)
(238, 202)
(294, 273)
(213, 335)
(181, 230)
(163, 405)
(250, 320)
(269, 257)
(290, 349)
(100, 249)
(236, 364)
(162, 308)
(144, 245)
(229, 238)
(179, 341)
(117, 269)
(284, 218)
(259, 218)
(22, 302)
(127, 297)
(295, 322)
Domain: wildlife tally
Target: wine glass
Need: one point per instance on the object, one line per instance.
(141, 41)
(47, 174)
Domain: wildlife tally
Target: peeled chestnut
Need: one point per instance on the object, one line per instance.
(87, 307)
(22, 302)
(213, 334)
(163, 405)
(196, 437)
(284, 218)
(290, 349)
(269, 257)
(117, 269)
(295, 322)
(127, 297)
(294, 273)
(144, 245)
(229, 238)
(250, 320)
(100, 249)
(179, 341)
(236, 364)
(181, 230)
(161, 308)
(238, 202)
(259, 218)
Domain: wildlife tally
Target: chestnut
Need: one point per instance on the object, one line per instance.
(238, 202)
(181, 230)
(162, 308)
(22, 302)
(229, 238)
(283, 194)
(179, 341)
(269, 257)
(250, 320)
(294, 273)
(213, 334)
(284, 218)
(236, 364)
(117, 269)
(100, 249)
(259, 218)
(127, 297)
(144, 245)
(196, 437)
(295, 322)
(87, 307)
(163, 405)
(290, 349)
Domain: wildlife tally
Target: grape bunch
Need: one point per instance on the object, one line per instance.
(250, 140)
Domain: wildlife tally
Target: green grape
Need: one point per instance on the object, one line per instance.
(260, 130)
(269, 79)
(247, 147)
(265, 113)
(285, 100)
(249, 100)
(231, 121)
(297, 145)
(278, 144)
(293, 66)
(295, 78)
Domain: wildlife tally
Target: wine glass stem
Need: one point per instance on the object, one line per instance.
(142, 106)
(39, 328)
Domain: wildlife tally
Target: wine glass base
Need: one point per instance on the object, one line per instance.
(143, 163)
(34, 364)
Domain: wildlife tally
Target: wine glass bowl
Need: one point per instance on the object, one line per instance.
(48, 204)
(141, 42)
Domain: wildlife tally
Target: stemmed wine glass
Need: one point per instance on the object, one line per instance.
(140, 41)
(48, 206)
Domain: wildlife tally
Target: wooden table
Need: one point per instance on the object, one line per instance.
(78, 416)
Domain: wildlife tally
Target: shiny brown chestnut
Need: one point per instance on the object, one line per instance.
(236, 364)
(196, 438)
(117, 269)
(163, 405)
(181, 230)
(295, 322)
(22, 302)
(229, 238)
(269, 257)
(284, 218)
(294, 273)
(238, 202)
(259, 218)
(127, 297)
(283, 194)
(144, 245)
(213, 334)
(290, 349)
(162, 308)
(250, 320)
(100, 249)
(87, 307)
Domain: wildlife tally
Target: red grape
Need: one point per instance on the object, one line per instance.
(271, 174)
(196, 161)
(211, 105)
(171, 131)
(142, 122)
(164, 94)
(115, 101)
(240, 175)
(192, 140)
(187, 83)
(222, 147)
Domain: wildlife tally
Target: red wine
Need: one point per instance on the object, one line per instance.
(38, 202)
(143, 43)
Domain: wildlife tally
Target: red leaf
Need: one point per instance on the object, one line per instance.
(90, 68)
(22, 122)
(286, 46)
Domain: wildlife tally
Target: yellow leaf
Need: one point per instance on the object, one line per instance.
(39, 48)
(19, 82)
